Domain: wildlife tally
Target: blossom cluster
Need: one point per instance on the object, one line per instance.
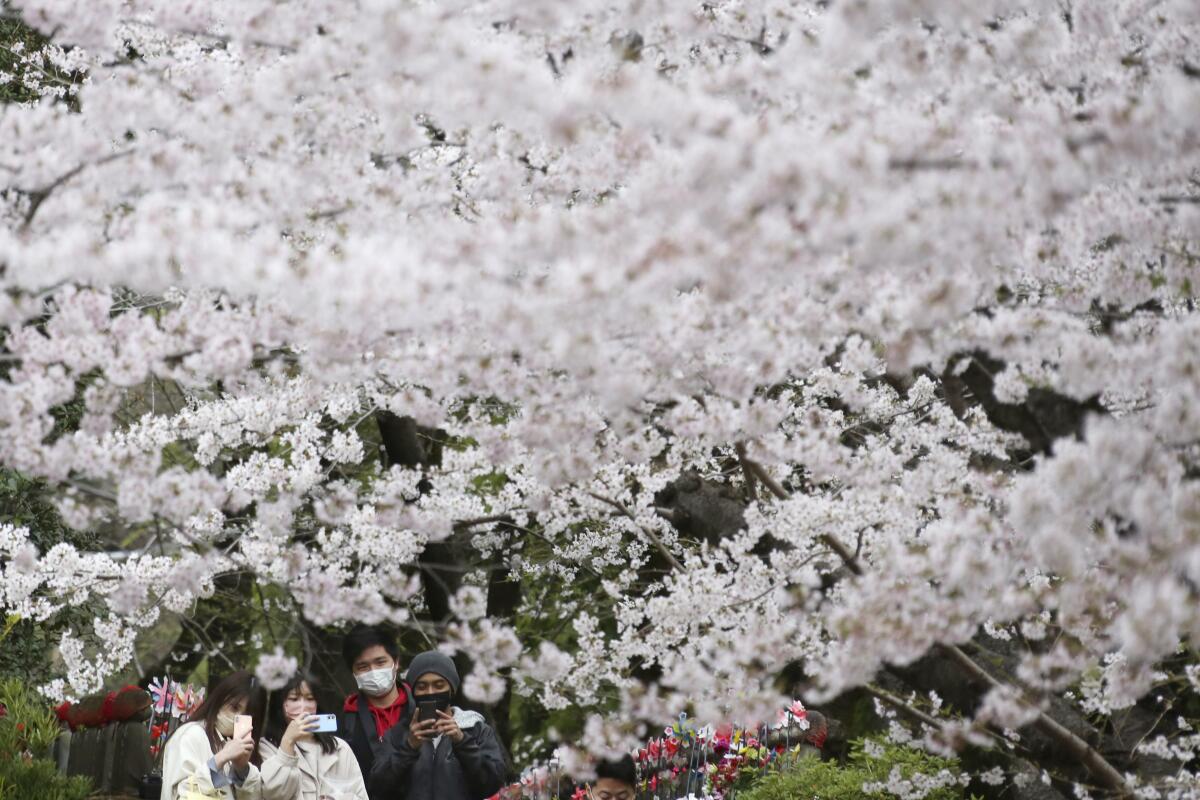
(914, 281)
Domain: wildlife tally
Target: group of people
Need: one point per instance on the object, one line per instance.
(395, 739)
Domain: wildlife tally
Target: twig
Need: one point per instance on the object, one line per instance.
(829, 539)
(916, 163)
(651, 535)
(895, 702)
(262, 603)
(751, 483)
(38, 196)
(93, 491)
(463, 524)
(205, 640)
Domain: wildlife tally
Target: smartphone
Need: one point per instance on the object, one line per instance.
(427, 709)
(326, 723)
(242, 724)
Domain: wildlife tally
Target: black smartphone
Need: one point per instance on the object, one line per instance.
(427, 709)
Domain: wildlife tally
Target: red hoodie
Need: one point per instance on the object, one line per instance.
(385, 718)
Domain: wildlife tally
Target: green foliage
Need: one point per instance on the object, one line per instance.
(28, 725)
(21, 779)
(813, 779)
(17, 40)
(27, 732)
(14, 35)
(490, 484)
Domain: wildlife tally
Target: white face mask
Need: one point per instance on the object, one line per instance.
(377, 682)
(225, 723)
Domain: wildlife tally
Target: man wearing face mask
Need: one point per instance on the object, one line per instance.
(445, 752)
(381, 702)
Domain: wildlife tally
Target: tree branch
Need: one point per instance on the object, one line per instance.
(913, 713)
(38, 196)
(651, 535)
(463, 524)
(783, 494)
(751, 482)
(1087, 755)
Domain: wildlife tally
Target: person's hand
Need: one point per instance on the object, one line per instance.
(446, 726)
(421, 731)
(237, 752)
(298, 729)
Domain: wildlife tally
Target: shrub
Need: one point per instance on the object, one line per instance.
(21, 779)
(27, 731)
(27, 725)
(812, 779)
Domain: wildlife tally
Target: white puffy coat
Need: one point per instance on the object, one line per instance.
(186, 757)
(311, 774)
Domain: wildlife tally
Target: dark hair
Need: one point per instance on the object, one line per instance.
(621, 770)
(364, 636)
(277, 722)
(232, 688)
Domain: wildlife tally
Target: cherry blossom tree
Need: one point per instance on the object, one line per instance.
(839, 339)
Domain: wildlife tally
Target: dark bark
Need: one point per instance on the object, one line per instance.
(503, 601)
(1043, 417)
(702, 509)
(407, 444)
(937, 671)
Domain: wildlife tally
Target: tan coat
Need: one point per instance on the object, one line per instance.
(186, 756)
(311, 774)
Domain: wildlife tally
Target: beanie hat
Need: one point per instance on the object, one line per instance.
(435, 662)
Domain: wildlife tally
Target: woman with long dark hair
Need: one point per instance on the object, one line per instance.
(205, 756)
(299, 763)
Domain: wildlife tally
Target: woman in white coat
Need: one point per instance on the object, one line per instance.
(204, 759)
(298, 764)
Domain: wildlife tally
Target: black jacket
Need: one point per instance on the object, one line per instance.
(357, 727)
(473, 769)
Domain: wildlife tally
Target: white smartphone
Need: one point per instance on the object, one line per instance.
(326, 723)
(242, 724)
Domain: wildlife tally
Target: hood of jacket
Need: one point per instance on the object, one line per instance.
(466, 718)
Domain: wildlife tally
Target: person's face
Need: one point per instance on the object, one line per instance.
(374, 657)
(611, 789)
(236, 707)
(299, 701)
(430, 683)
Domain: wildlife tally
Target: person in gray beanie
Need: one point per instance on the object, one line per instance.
(446, 752)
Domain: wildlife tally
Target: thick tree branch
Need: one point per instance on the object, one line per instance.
(1089, 757)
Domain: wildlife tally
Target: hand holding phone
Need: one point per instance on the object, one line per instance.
(427, 710)
(428, 706)
(325, 723)
(421, 729)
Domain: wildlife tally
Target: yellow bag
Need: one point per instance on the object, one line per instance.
(194, 792)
